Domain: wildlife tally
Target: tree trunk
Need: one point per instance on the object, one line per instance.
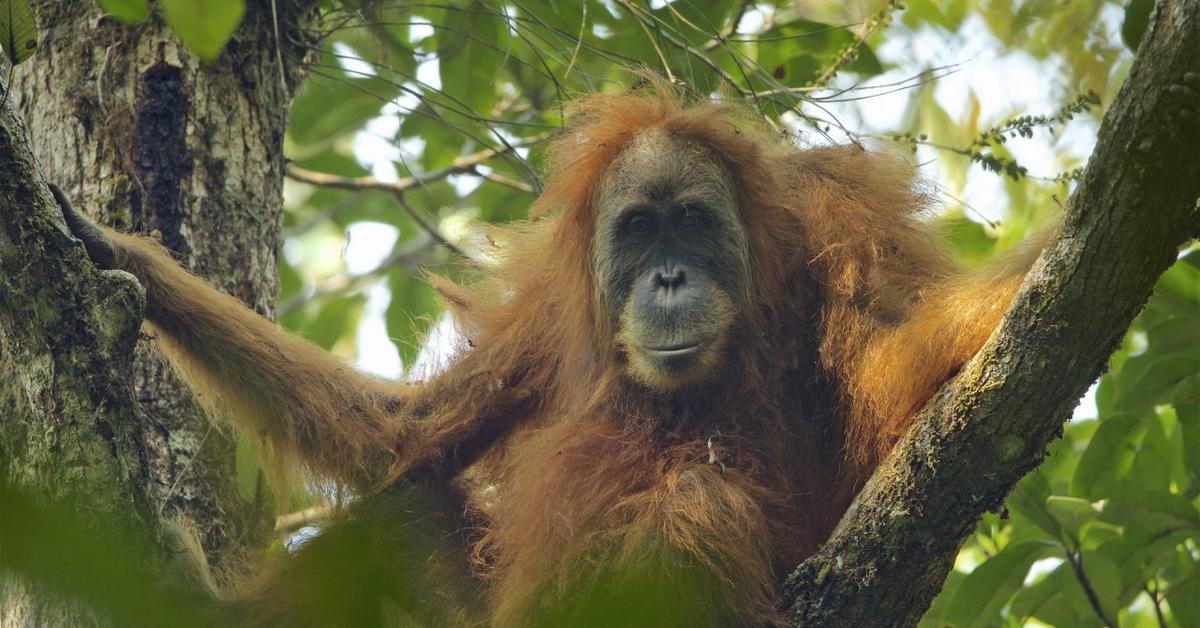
(144, 137)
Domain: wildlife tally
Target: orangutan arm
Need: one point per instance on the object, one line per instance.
(306, 403)
(901, 366)
(899, 317)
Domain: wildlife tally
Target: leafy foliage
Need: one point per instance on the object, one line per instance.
(203, 25)
(127, 10)
(18, 31)
(1112, 514)
(428, 120)
(102, 563)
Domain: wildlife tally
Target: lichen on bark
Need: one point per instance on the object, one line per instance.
(144, 137)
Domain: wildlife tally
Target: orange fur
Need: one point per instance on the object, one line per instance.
(859, 316)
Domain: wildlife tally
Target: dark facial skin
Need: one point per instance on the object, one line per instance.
(671, 259)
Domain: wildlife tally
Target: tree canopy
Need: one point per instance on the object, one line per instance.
(418, 121)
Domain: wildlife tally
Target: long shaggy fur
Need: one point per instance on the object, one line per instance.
(858, 316)
(861, 316)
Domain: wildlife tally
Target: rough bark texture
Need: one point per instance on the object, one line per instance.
(125, 119)
(66, 339)
(1136, 203)
(142, 136)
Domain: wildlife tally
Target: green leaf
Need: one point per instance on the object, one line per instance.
(1105, 578)
(798, 70)
(797, 51)
(1143, 553)
(374, 206)
(1174, 334)
(1137, 507)
(331, 107)
(204, 25)
(1029, 501)
(1063, 455)
(96, 559)
(1032, 598)
(1152, 465)
(1147, 379)
(787, 39)
(1186, 399)
(442, 142)
(337, 318)
(127, 10)
(564, 15)
(1108, 457)
(935, 616)
(1182, 280)
(987, 589)
(332, 161)
(1056, 599)
(18, 30)
(1096, 533)
(697, 22)
(498, 203)
(1168, 437)
(469, 55)
(1071, 512)
(1137, 17)
(384, 36)
(410, 313)
(290, 282)
(1184, 597)
(928, 11)
(866, 62)
(248, 471)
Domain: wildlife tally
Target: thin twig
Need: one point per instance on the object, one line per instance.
(508, 182)
(636, 12)
(1075, 559)
(1156, 599)
(734, 24)
(578, 43)
(460, 108)
(429, 227)
(650, 37)
(350, 201)
(184, 471)
(279, 50)
(881, 17)
(409, 255)
(462, 165)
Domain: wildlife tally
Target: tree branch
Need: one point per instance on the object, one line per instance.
(735, 23)
(409, 256)
(462, 165)
(507, 182)
(1136, 203)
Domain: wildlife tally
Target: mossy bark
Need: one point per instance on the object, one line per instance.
(67, 334)
(1137, 202)
(143, 136)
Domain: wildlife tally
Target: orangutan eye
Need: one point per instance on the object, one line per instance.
(639, 224)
